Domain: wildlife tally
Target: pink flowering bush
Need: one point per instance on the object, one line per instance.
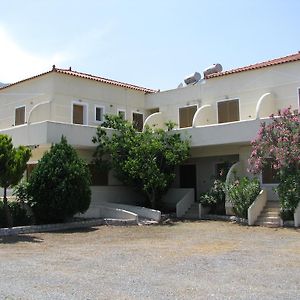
(278, 144)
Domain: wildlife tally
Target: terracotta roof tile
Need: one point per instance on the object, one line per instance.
(273, 62)
(103, 80)
(90, 77)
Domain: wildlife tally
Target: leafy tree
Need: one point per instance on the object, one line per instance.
(145, 160)
(59, 185)
(12, 166)
(278, 145)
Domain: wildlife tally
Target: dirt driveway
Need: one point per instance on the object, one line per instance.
(186, 260)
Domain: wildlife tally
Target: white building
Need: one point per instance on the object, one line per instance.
(221, 112)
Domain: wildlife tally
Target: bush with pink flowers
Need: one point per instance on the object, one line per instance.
(278, 144)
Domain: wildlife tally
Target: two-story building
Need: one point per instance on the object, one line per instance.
(221, 112)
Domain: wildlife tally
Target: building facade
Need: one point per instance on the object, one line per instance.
(222, 114)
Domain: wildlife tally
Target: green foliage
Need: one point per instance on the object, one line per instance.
(277, 145)
(59, 185)
(18, 213)
(289, 193)
(12, 166)
(215, 197)
(242, 194)
(145, 160)
(21, 191)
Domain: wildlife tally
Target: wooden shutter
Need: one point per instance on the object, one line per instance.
(228, 111)
(186, 115)
(20, 115)
(77, 114)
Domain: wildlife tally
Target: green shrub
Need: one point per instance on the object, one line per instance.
(289, 193)
(242, 194)
(59, 186)
(18, 213)
(215, 197)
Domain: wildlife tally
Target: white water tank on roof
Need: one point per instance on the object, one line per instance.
(215, 68)
(193, 78)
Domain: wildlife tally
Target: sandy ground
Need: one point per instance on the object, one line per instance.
(183, 260)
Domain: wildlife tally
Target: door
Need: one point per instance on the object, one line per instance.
(77, 114)
(269, 182)
(188, 177)
(138, 121)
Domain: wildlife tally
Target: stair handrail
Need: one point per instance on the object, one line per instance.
(256, 207)
(185, 203)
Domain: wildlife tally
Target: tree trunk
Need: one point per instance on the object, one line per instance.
(152, 200)
(9, 221)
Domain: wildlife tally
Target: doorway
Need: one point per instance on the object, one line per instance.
(188, 177)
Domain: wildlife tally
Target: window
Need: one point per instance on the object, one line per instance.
(20, 115)
(99, 113)
(122, 113)
(138, 121)
(228, 111)
(186, 115)
(79, 113)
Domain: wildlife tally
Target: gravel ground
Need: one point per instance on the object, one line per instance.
(182, 260)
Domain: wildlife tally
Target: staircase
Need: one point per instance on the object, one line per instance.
(193, 212)
(270, 215)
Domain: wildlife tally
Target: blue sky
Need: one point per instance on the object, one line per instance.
(149, 43)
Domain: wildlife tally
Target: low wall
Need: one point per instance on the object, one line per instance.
(140, 211)
(185, 203)
(256, 207)
(172, 197)
(102, 211)
(297, 216)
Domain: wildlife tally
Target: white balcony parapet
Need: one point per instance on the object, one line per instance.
(203, 116)
(297, 216)
(155, 120)
(233, 173)
(265, 106)
(256, 207)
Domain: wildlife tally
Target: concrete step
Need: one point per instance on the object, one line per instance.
(273, 204)
(270, 214)
(271, 209)
(269, 224)
(268, 219)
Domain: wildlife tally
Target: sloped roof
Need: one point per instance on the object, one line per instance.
(273, 62)
(90, 77)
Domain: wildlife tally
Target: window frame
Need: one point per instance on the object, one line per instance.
(178, 114)
(121, 110)
(226, 100)
(85, 111)
(95, 113)
(17, 107)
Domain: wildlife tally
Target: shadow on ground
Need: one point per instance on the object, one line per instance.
(14, 239)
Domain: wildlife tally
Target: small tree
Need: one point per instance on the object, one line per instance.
(145, 160)
(278, 145)
(12, 166)
(59, 185)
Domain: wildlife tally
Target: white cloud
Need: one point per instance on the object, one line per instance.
(17, 63)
